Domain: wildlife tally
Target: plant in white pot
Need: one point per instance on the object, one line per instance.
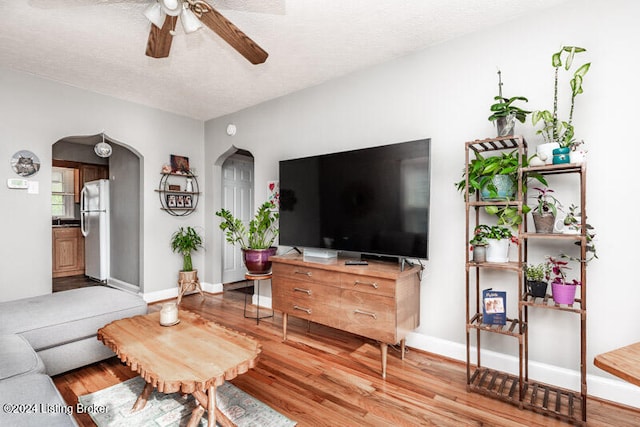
(563, 291)
(255, 241)
(545, 211)
(185, 241)
(498, 241)
(558, 134)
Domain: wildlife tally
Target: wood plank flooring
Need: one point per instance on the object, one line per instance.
(324, 377)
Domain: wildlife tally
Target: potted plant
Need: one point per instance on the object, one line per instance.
(498, 239)
(478, 245)
(559, 134)
(545, 212)
(504, 113)
(184, 241)
(495, 178)
(572, 224)
(563, 292)
(536, 276)
(255, 241)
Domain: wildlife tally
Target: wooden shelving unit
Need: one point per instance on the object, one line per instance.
(520, 390)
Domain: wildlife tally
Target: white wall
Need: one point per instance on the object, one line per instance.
(444, 93)
(35, 113)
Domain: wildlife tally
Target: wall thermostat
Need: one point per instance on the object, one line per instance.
(17, 183)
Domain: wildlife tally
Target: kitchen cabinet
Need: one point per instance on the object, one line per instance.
(68, 251)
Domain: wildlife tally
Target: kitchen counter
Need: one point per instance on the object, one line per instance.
(57, 223)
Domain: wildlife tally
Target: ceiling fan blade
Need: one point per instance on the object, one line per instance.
(232, 35)
(159, 43)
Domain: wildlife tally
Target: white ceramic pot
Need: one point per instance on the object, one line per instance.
(498, 250)
(545, 151)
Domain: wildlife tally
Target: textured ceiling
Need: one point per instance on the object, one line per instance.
(99, 45)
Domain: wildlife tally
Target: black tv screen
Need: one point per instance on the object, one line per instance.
(372, 201)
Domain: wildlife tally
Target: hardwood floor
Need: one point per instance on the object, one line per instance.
(73, 282)
(327, 377)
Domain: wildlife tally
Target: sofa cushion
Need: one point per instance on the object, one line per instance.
(33, 400)
(54, 319)
(17, 357)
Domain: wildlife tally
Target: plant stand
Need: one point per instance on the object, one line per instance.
(188, 281)
(519, 389)
(256, 278)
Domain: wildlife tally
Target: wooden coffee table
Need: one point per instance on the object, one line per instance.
(192, 357)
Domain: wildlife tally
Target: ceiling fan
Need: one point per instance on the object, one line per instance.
(193, 13)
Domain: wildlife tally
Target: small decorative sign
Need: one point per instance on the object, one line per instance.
(494, 304)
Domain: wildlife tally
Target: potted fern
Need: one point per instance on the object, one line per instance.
(255, 241)
(185, 241)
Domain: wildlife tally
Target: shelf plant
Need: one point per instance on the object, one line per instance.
(563, 291)
(504, 113)
(495, 178)
(537, 276)
(554, 129)
(256, 240)
(545, 211)
(573, 221)
(497, 239)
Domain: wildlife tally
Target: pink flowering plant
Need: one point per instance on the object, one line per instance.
(557, 272)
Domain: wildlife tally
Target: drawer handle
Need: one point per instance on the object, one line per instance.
(366, 313)
(358, 282)
(306, 310)
(306, 291)
(304, 273)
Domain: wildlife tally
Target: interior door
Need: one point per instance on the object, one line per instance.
(237, 197)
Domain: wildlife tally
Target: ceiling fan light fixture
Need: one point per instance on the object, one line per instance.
(171, 7)
(102, 149)
(155, 14)
(189, 20)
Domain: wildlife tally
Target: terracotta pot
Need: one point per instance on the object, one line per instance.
(544, 222)
(257, 260)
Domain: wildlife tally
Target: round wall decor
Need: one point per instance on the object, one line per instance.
(25, 163)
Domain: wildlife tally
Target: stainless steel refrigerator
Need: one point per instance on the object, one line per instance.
(94, 223)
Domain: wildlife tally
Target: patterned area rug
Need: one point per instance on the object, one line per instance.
(112, 407)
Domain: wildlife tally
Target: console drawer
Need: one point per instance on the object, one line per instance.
(323, 312)
(368, 284)
(305, 274)
(368, 315)
(306, 291)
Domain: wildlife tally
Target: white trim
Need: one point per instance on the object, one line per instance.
(597, 386)
(170, 293)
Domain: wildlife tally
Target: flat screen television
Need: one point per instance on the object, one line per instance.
(372, 201)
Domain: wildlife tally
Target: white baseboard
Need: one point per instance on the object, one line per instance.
(604, 388)
(170, 293)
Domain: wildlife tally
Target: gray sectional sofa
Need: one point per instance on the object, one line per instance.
(48, 335)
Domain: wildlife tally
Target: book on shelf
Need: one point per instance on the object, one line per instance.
(494, 307)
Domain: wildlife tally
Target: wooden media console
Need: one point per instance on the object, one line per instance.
(377, 301)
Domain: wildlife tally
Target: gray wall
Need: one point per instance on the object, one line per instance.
(126, 214)
(444, 93)
(35, 114)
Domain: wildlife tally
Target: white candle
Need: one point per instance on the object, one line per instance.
(169, 313)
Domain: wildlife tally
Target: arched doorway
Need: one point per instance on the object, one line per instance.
(123, 170)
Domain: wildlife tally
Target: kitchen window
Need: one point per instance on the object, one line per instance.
(62, 195)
